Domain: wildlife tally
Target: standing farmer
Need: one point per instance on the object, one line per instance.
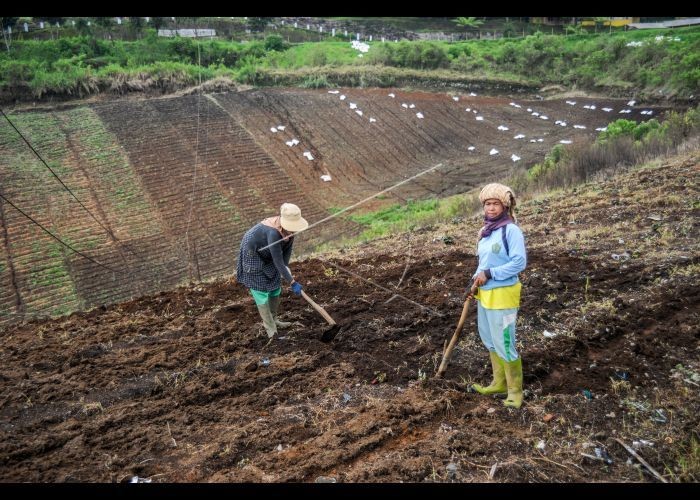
(260, 270)
(501, 250)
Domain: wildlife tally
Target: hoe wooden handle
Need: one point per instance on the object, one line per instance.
(455, 337)
(318, 308)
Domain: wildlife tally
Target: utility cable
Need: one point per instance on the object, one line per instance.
(109, 232)
(419, 174)
(54, 236)
(56, 176)
(196, 157)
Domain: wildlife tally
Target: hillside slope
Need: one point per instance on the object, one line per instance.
(183, 385)
(171, 184)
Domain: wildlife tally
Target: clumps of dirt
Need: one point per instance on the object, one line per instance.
(184, 386)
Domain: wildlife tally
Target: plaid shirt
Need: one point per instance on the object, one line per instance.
(262, 270)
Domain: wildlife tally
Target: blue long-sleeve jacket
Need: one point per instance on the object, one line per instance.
(504, 267)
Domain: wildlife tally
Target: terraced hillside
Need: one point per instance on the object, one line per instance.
(168, 186)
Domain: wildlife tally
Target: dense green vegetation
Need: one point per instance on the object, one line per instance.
(651, 61)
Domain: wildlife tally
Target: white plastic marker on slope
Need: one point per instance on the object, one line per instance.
(493, 151)
(308, 155)
(514, 157)
(419, 114)
(326, 178)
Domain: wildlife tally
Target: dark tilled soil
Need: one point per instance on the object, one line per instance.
(183, 386)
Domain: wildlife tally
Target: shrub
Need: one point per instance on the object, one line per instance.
(275, 43)
(315, 82)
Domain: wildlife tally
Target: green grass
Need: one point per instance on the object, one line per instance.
(82, 65)
(119, 188)
(312, 55)
(406, 217)
(222, 204)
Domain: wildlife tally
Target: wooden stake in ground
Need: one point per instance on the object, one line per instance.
(644, 462)
(455, 337)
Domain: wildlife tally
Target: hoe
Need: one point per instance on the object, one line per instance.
(333, 328)
(447, 353)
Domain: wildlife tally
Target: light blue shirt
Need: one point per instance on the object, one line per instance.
(492, 255)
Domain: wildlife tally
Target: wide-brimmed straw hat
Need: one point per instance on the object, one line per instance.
(291, 219)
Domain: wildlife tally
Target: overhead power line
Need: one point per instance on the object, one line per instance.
(54, 174)
(54, 236)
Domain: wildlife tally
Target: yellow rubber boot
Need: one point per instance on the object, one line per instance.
(514, 378)
(498, 385)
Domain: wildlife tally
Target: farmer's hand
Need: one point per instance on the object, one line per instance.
(296, 287)
(480, 280)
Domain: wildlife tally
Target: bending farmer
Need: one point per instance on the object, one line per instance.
(261, 270)
(496, 287)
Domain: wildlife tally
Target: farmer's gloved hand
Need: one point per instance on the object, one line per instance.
(296, 287)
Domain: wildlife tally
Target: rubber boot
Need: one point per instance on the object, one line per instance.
(268, 320)
(514, 378)
(498, 385)
(274, 306)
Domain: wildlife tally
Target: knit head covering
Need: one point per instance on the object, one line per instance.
(499, 192)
